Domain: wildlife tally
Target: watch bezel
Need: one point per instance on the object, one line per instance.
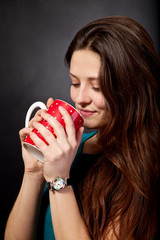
(58, 180)
(64, 183)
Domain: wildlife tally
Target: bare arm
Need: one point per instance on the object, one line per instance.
(22, 220)
(67, 221)
(58, 156)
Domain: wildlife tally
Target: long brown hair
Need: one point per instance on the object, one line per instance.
(120, 191)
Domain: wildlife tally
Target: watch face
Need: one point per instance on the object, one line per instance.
(58, 184)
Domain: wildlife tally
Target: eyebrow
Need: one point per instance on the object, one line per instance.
(89, 78)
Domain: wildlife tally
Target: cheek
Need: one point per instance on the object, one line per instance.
(100, 101)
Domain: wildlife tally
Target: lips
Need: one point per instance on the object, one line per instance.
(86, 113)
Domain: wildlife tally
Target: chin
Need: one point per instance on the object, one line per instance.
(90, 125)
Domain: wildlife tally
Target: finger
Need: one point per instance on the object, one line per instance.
(70, 127)
(39, 143)
(58, 128)
(23, 133)
(46, 134)
(38, 113)
(37, 117)
(49, 102)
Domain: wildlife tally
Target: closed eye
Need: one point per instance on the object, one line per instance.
(97, 89)
(75, 84)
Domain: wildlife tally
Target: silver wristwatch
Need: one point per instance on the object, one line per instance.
(58, 183)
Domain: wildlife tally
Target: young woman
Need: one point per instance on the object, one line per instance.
(114, 171)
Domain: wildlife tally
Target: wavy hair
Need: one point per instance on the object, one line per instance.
(120, 192)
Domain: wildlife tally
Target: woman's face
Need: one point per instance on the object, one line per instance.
(85, 90)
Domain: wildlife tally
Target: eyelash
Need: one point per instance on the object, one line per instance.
(97, 89)
(77, 85)
(74, 84)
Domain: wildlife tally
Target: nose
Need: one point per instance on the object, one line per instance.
(83, 95)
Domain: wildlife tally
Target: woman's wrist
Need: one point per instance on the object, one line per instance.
(66, 190)
(58, 184)
(34, 178)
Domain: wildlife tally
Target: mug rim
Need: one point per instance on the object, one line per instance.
(27, 144)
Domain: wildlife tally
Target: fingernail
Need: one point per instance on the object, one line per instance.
(60, 108)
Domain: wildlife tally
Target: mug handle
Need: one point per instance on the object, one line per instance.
(31, 109)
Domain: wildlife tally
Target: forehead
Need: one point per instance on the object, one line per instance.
(85, 62)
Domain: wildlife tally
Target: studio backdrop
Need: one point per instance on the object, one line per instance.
(34, 36)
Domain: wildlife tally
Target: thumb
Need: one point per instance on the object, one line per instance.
(49, 102)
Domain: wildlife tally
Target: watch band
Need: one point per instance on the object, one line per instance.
(58, 183)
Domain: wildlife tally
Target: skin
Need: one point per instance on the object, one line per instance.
(58, 157)
(85, 91)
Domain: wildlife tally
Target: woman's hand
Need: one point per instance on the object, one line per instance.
(59, 154)
(31, 164)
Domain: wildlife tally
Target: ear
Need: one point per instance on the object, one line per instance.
(49, 102)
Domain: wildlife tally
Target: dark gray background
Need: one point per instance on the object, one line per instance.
(34, 36)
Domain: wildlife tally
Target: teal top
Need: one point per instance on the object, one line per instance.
(79, 168)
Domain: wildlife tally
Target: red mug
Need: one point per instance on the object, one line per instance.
(54, 111)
